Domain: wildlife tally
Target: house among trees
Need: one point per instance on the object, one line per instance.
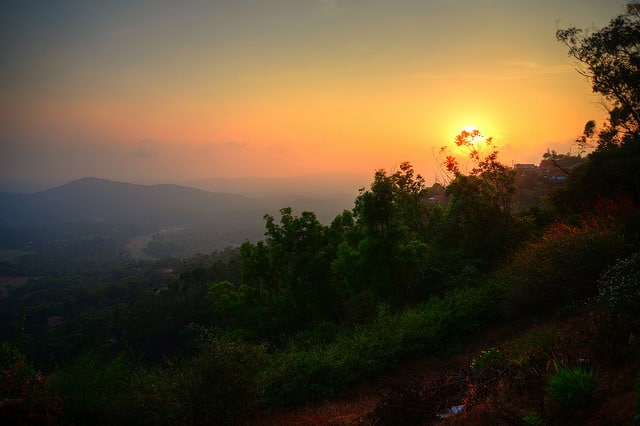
(525, 169)
(438, 194)
(555, 167)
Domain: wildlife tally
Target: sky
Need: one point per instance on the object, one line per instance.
(170, 91)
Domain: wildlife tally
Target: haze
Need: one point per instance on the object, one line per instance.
(160, 91)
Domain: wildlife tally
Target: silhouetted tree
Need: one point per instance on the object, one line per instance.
(478, 219)
(498, 178)
(610, 59)
(288, 274)
(384, 255)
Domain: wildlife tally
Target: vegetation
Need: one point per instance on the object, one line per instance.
(620, 286)
(25, 394)
(571, 388)
(312, 309)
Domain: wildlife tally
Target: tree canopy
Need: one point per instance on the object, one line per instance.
(610, 59)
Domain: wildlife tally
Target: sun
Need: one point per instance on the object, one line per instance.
(468, 129)
(469, 135)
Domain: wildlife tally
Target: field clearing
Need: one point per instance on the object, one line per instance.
(136, 246)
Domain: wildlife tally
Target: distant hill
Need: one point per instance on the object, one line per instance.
(157, 220)
(325, 195)
(101, 200)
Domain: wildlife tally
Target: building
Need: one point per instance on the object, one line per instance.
(557, 169)
(525, 169)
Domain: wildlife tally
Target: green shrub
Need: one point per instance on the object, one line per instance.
(490, 358)
(533, 420)
(297, 374)
(619, 286)
(91, 388)
(540, 336)
(571, 389)
(217, 386)
(560, 267)
(317, 333)
(532, 352)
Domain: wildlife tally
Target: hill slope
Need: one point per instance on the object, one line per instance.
(511, 390)
(93, 199)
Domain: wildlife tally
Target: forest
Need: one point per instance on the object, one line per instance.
(245, 333)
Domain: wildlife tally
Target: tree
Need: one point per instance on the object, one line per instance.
(383, 256)
(478, 221)
(393, 199)
(291, 268)
(610, 59)
(498, 178)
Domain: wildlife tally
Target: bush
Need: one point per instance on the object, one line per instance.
(25, 397)
(217, 386)
(296, 375)
(90, 388)
(533, 420)
(571, 389)
(619, 287)
(560, 267)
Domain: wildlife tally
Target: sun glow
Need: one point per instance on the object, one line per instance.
(470, 135)
(469, 121)
(468, 129)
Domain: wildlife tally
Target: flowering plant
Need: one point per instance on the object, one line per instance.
(619, 287)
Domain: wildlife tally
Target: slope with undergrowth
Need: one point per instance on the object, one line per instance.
(570, 370)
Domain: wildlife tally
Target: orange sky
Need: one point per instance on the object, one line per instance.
(172, 91)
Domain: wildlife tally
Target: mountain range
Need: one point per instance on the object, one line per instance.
(180, 219)
(100, 200)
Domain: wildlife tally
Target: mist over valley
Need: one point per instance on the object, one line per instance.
(197, 216)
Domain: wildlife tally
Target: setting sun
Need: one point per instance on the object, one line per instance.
(241, 90)
(469, 135)
(468, 129)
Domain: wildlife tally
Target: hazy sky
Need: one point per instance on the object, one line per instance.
(177, 90)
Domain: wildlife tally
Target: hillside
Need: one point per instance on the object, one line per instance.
(508, 389)
(143, 220)
(162, 219)
(93, 200)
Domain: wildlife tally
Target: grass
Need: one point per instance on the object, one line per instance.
(571, 389)
(296, 375)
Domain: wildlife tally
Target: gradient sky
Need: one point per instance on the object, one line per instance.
(176, 90)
